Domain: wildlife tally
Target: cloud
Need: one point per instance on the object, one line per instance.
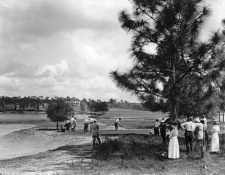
(214, 22)
(19, 70)
(43, 18)
(57, 71)
(67, 48)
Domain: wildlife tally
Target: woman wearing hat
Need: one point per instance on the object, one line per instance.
(215, 145)
(173, 150)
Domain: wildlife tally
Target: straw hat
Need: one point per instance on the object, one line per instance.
(197, 120)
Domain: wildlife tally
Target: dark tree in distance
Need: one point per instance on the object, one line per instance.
(58, 110)
(101, 107)
(97, 106)
(180, 63)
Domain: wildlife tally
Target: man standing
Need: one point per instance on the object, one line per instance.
(91, 121)
(86, 123)
(189, 128)
(73, 124)
(163, 131)
(205, 137)
(95, 133)
(117, 123)
(205, 119)
(156, 127)
(200, 136)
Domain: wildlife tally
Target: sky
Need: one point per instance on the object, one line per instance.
(67, 48)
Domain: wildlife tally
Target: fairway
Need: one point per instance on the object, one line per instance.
(125, 132)
(131, 119)
(134, 114)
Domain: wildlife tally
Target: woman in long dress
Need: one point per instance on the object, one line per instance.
(215, 145)
(173, 151)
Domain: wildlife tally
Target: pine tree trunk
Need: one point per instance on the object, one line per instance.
(173, 103)
(173, 108)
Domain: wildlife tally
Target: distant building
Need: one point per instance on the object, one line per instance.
(75, 102)
(9, 107)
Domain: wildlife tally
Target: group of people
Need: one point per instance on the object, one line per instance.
(90, 125)
(196, 135)
(71, 124)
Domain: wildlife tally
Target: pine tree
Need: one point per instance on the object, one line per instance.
(58, 110)
(181, 64)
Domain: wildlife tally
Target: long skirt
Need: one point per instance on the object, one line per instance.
(215, 145)
(173, 151)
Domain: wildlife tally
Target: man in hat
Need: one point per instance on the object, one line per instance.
(86, 123)
(205, 119)
(73, 122)
(205, 133)
(200, 136)
(95, 133)
(117, 123)
(162, 127)
(189, 128)
(91, 122)
(156, 127)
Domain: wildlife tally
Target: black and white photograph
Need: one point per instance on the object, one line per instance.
(117, 87)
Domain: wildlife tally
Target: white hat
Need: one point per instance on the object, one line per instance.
(197, 120)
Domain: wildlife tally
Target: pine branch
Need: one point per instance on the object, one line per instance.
(151, 17)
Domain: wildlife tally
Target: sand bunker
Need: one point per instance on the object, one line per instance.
(31, 141)
(8, 128)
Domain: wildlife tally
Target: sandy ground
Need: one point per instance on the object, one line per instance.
(32, 148)
(31, 151)
(32, 141)
(25, 149)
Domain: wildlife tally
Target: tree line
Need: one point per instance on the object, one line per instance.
(30, 103)
(34, 103)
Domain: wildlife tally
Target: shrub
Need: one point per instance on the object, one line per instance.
(130, 147)
(107, 148)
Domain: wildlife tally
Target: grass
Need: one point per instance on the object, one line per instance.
(133, 152)
(144, 154)
(131, 119)
(133, 114)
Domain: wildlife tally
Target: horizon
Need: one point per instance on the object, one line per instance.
(80, 99)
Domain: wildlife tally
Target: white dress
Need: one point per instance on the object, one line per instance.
(173, 151)
(215, 145)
